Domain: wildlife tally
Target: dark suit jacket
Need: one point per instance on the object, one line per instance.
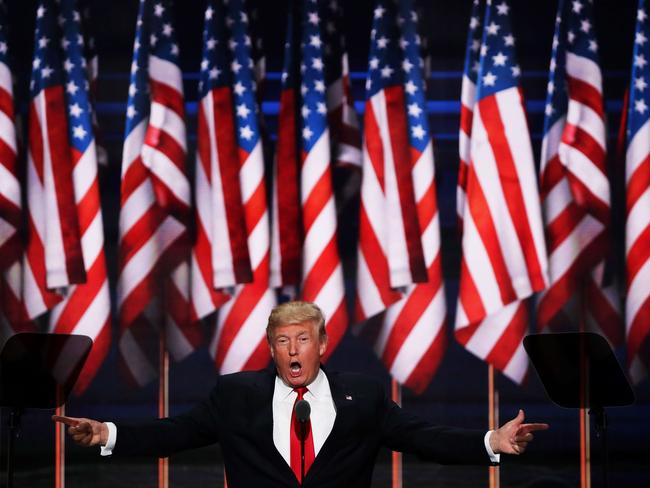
(238, 414)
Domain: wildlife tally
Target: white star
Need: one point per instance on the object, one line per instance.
(79, 132)
(71, 88)
(46, 72)
(132, 89)
(246, 132)
(509, 40)
(577, 6)
(476, 66)
(553, 65)
(410, 87)
(42, 42)
(204, 64)
(585, 26)
(317, 64)
(167, 30)
(211, 43)
(303, 89)
(570, 36)
(307, 133)
(232, 44)
(503, 8)
(305, 111)
(403, 43)
(550, 88)
(368, 84)
(593, 45)
(36, 63)
(414, 110)
(319, 86)
(374, 63)
(489, 79)
(75, 110)
(556, 42)
(500, 59)
(382, 42)
(640, 38)
(473, 23)
(417, 131)
(65, 43)
(516, 71)
(235, 66)
(484, 49)
(285, 75)
(243, 17)
(243, 111)
(476, 45)
(3, 47)
(214, 73)
(40, 12)
(493, 29)
(548, 109)
(386, 71)
(640, 106)
(640, 60)
(173, 49)
(153, 39)
(159, 9)
(315, 41)
(313, 18)
(640, 83)
(208, 13)
(131, 111)
(321, 108)
(239, 88)
(641, 15)
(407, 65)
(379, 12)
(68, 65)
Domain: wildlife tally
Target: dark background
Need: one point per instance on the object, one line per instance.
(458, 393)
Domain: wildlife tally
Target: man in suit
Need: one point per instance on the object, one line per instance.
(253, 416)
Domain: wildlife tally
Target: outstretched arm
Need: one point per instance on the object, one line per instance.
(513, 437)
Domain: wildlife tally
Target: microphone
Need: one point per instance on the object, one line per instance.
(303, 410)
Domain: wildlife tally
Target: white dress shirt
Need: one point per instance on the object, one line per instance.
(323, 413)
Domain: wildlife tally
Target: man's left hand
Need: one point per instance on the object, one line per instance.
(513, 437)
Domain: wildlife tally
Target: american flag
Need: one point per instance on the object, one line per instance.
(637, 177)
(307, 139)
(220, 256)
(155, 202)
(239, 341)
(504, 257)
(399, 271)
(467, 100)
(54, 259)
(86, 307)
(574, 184)
(13, 316)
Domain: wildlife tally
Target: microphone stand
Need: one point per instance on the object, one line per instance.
(303, 434)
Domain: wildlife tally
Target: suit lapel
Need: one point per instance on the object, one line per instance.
(346, 417)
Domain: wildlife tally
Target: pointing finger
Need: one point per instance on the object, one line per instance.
(71, 421)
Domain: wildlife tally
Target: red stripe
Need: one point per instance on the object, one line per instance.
(318, 197)
(36, 259)
(10, 251)
(398, 127)
(480, 212)
(427, 207)
(639, 331)
(321, 271)
(168, 96)
(553, 173)
(57, 134)
(638, 183)
(98, 353)
(88, 207)
(511, 187)
(424, 370)
(563, 225)
(222, 107)
(609, 321)
(466, 116)
(336, 327)
(288, 191)
(35, 142)
(510, 339)
(7, 103)
(638, 255)
(177, 307)
(255, 207)
(374, 144)
(139, 234)
(585, 94)
(260, 357)
(134, 176)
(472, 305)
(160, 140)
(203, 255)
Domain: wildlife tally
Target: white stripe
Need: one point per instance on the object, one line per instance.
(165, 72)
(491, 329)
(638, 370)
(168, 121)
(589, 174)
(201, 299)
(637, 293)
(258, 241)
(84, 172)
(557, 200)
(468, 92)
(367, 293)
(31, 295)
(584, 117)
(638, 150)
(422, 172)
(133, 145)
(251, 174)
(331, 295)
(564, 255)
(138, 203)
(319, 236)
(584, 69)
(135, 359)
(6, 78)
(518, 365)
(348, 154)
(551, 142)
(373, 200)
(9, 187)
(315, 165)
(165, 169)
(638, 219)
(7, 130)
(92, 241)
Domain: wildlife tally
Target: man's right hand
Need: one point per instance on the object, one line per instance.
(85, 432)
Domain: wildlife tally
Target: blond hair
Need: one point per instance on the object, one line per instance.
(296, 312)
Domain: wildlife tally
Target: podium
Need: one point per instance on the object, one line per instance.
(37, 371)
(579, 370)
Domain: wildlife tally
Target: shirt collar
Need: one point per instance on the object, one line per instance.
(318, 389)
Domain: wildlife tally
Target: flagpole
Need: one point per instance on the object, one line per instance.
(59, 444)
(163, 405)
(585, 441)
(493, 420)
(396, 396)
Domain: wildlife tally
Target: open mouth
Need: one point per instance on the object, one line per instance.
(295, 369)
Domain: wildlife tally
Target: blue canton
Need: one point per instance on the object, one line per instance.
(77, 86)
(215, 64)
(639, 108)
(242, 68)
(4, 58)
(46, 65)
(499, 70)
(473, 46)
(312, 89)
(557, 99)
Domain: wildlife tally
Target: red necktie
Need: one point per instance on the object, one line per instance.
(296, 434)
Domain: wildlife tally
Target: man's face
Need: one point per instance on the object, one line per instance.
(297, 350)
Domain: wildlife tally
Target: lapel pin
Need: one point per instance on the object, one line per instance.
(348, 397)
